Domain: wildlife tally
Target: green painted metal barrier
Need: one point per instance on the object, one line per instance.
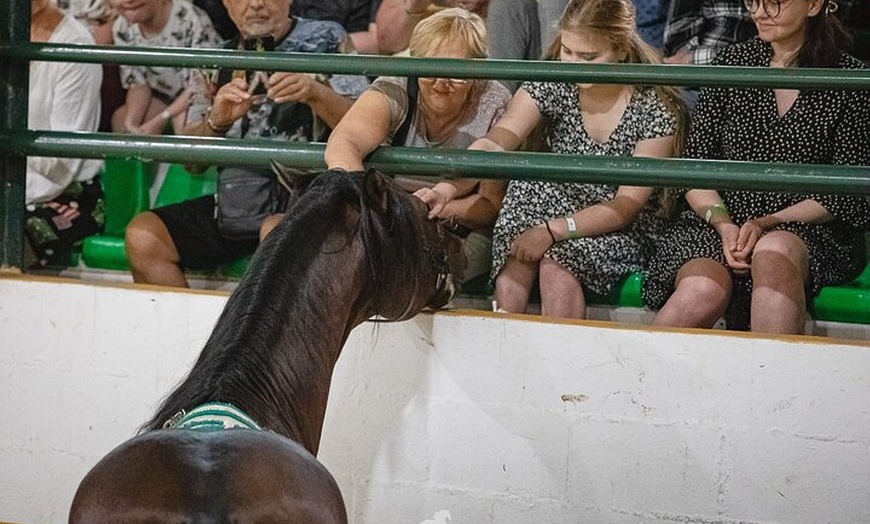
(15, 142)
(374, 65)
(454, 163)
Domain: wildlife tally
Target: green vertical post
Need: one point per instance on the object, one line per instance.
(14, 28)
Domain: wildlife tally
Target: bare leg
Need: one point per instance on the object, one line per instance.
(561, 293)
(701, 295)
(780, 267)
(152, 254)
(513, 285)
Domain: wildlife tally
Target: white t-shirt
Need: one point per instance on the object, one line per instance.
(188, 26)
(63, 97)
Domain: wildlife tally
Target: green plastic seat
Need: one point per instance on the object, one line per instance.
(626, 293)
(180, 185)
(126, 184)
(236, 268)
(849, 302)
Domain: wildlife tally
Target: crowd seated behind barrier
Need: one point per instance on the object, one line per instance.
(566, 236)
(127, 184)
(844, 301)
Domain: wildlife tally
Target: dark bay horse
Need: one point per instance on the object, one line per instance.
(352, 246)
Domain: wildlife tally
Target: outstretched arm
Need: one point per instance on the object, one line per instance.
(364, 127)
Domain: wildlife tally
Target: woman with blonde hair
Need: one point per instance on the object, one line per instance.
(567, 236)
(448, 113)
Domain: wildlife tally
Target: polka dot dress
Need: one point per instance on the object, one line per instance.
(821, 127)
(597, 262)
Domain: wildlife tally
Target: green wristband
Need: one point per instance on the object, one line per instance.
(572, 227)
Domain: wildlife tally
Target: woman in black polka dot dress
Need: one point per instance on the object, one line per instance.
(755, 257)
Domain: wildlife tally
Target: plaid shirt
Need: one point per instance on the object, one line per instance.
(703, 27)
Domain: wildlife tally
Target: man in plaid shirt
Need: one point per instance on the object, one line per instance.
(697, 29)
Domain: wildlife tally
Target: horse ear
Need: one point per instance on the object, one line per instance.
(294, 180)
(375, 187)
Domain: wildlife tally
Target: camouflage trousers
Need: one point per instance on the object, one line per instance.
(54, 229)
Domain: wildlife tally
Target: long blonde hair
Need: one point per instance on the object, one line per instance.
(613, 21)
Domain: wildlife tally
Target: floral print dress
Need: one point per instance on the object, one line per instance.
(597, 262)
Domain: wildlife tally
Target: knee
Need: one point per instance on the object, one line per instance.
(146, 237)
(705, 281)
(778, 255)
(553, 274)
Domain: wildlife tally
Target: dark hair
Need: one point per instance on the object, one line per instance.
(824, 39)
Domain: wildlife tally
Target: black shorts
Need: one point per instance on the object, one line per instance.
(193, 228)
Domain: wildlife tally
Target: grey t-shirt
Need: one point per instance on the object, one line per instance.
(487, 103)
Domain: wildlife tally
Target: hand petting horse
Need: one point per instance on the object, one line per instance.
(236, 440)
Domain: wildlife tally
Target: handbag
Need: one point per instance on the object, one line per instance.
(244, 199)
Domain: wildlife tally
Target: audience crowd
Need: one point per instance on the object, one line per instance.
(754, 258)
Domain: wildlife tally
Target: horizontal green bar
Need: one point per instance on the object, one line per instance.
(454, 163)
(374, 65)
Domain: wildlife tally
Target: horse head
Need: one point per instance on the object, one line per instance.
(413, 262)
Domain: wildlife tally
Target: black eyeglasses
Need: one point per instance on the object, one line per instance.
(771, 7)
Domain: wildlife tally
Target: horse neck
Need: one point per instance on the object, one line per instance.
(310, 318)
(274, 347)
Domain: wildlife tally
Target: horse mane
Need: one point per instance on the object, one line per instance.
(244, 361)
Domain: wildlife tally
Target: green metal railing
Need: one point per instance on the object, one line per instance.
(454, 163)
(16, 142)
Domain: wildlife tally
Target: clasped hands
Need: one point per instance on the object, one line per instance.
(738, 244)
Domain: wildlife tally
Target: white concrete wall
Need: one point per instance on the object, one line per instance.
(496, 420)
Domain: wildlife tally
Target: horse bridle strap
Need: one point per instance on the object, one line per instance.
(212, 416)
